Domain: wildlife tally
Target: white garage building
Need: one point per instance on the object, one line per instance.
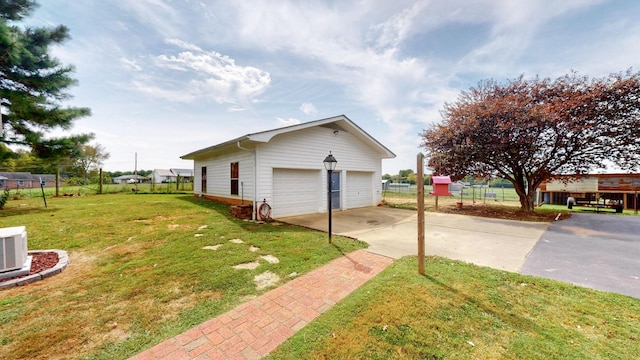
(284, 167)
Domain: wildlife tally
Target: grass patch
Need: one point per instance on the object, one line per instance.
(462, 311)
(138, 273)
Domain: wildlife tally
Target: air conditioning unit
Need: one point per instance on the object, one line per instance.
(13, 248)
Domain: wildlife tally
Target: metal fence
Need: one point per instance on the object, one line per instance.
(473, 193)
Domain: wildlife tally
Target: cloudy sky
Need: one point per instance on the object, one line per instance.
(167, 77)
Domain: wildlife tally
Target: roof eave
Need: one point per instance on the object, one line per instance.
(266, 136)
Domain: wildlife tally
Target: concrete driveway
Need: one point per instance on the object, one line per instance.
(500, 244)
(599, 251)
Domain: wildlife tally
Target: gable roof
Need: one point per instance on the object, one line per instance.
(340, 123)
(163, 172)
(182, 172)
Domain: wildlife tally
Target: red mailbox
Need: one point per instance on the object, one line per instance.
(441, 186)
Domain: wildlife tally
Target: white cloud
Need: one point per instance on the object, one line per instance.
(287, 122)
(130, 64)
(182, 44)
(158, 15)
(308, 108)
(197, 74)
(390, 33)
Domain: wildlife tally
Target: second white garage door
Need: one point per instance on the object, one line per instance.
(359, 189)
(295, 192)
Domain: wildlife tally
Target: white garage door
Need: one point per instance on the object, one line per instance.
(359, 189)
(295, 192)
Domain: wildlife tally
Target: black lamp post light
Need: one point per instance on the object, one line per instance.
(329, 164)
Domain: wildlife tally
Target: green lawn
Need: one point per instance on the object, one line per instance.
(462, 311)
(138, 273)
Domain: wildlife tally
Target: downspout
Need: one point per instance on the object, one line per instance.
(255, 180)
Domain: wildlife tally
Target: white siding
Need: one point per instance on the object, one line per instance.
(306, 149)
(360, 189)
(219, 175)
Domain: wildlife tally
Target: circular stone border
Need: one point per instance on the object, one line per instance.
(63, 261)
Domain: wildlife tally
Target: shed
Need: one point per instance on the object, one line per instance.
(284, 167)
(441, 186)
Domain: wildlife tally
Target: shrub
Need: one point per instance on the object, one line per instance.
(4, 198)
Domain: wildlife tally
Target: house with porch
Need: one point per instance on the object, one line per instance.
(593, 188)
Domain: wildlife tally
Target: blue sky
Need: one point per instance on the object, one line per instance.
(164, 78)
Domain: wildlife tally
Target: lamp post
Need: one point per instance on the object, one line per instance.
(329, 164)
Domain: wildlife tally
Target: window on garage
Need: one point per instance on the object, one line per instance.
(234, 178)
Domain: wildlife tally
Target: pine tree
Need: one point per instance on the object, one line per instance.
(33, 86)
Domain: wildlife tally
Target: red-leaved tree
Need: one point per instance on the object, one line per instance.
(527, 131)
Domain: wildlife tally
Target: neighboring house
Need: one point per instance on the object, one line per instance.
(131, 179)
(622, 188)
(171, 175)
(284, 167)
(186, 175)
(25, 180)
(163, 176)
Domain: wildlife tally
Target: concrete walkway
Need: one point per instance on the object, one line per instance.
(253, 329)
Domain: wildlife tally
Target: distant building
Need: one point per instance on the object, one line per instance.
(621, 188)
(163, 176)
(172, 175)
(25, 180)
(185, 175)
(131, 179)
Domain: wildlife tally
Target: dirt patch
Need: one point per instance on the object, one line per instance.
(509, 210)
(502, 212)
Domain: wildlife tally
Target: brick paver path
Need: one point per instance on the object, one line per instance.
(253, 329)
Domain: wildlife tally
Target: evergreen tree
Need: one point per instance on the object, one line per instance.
(33, 85)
